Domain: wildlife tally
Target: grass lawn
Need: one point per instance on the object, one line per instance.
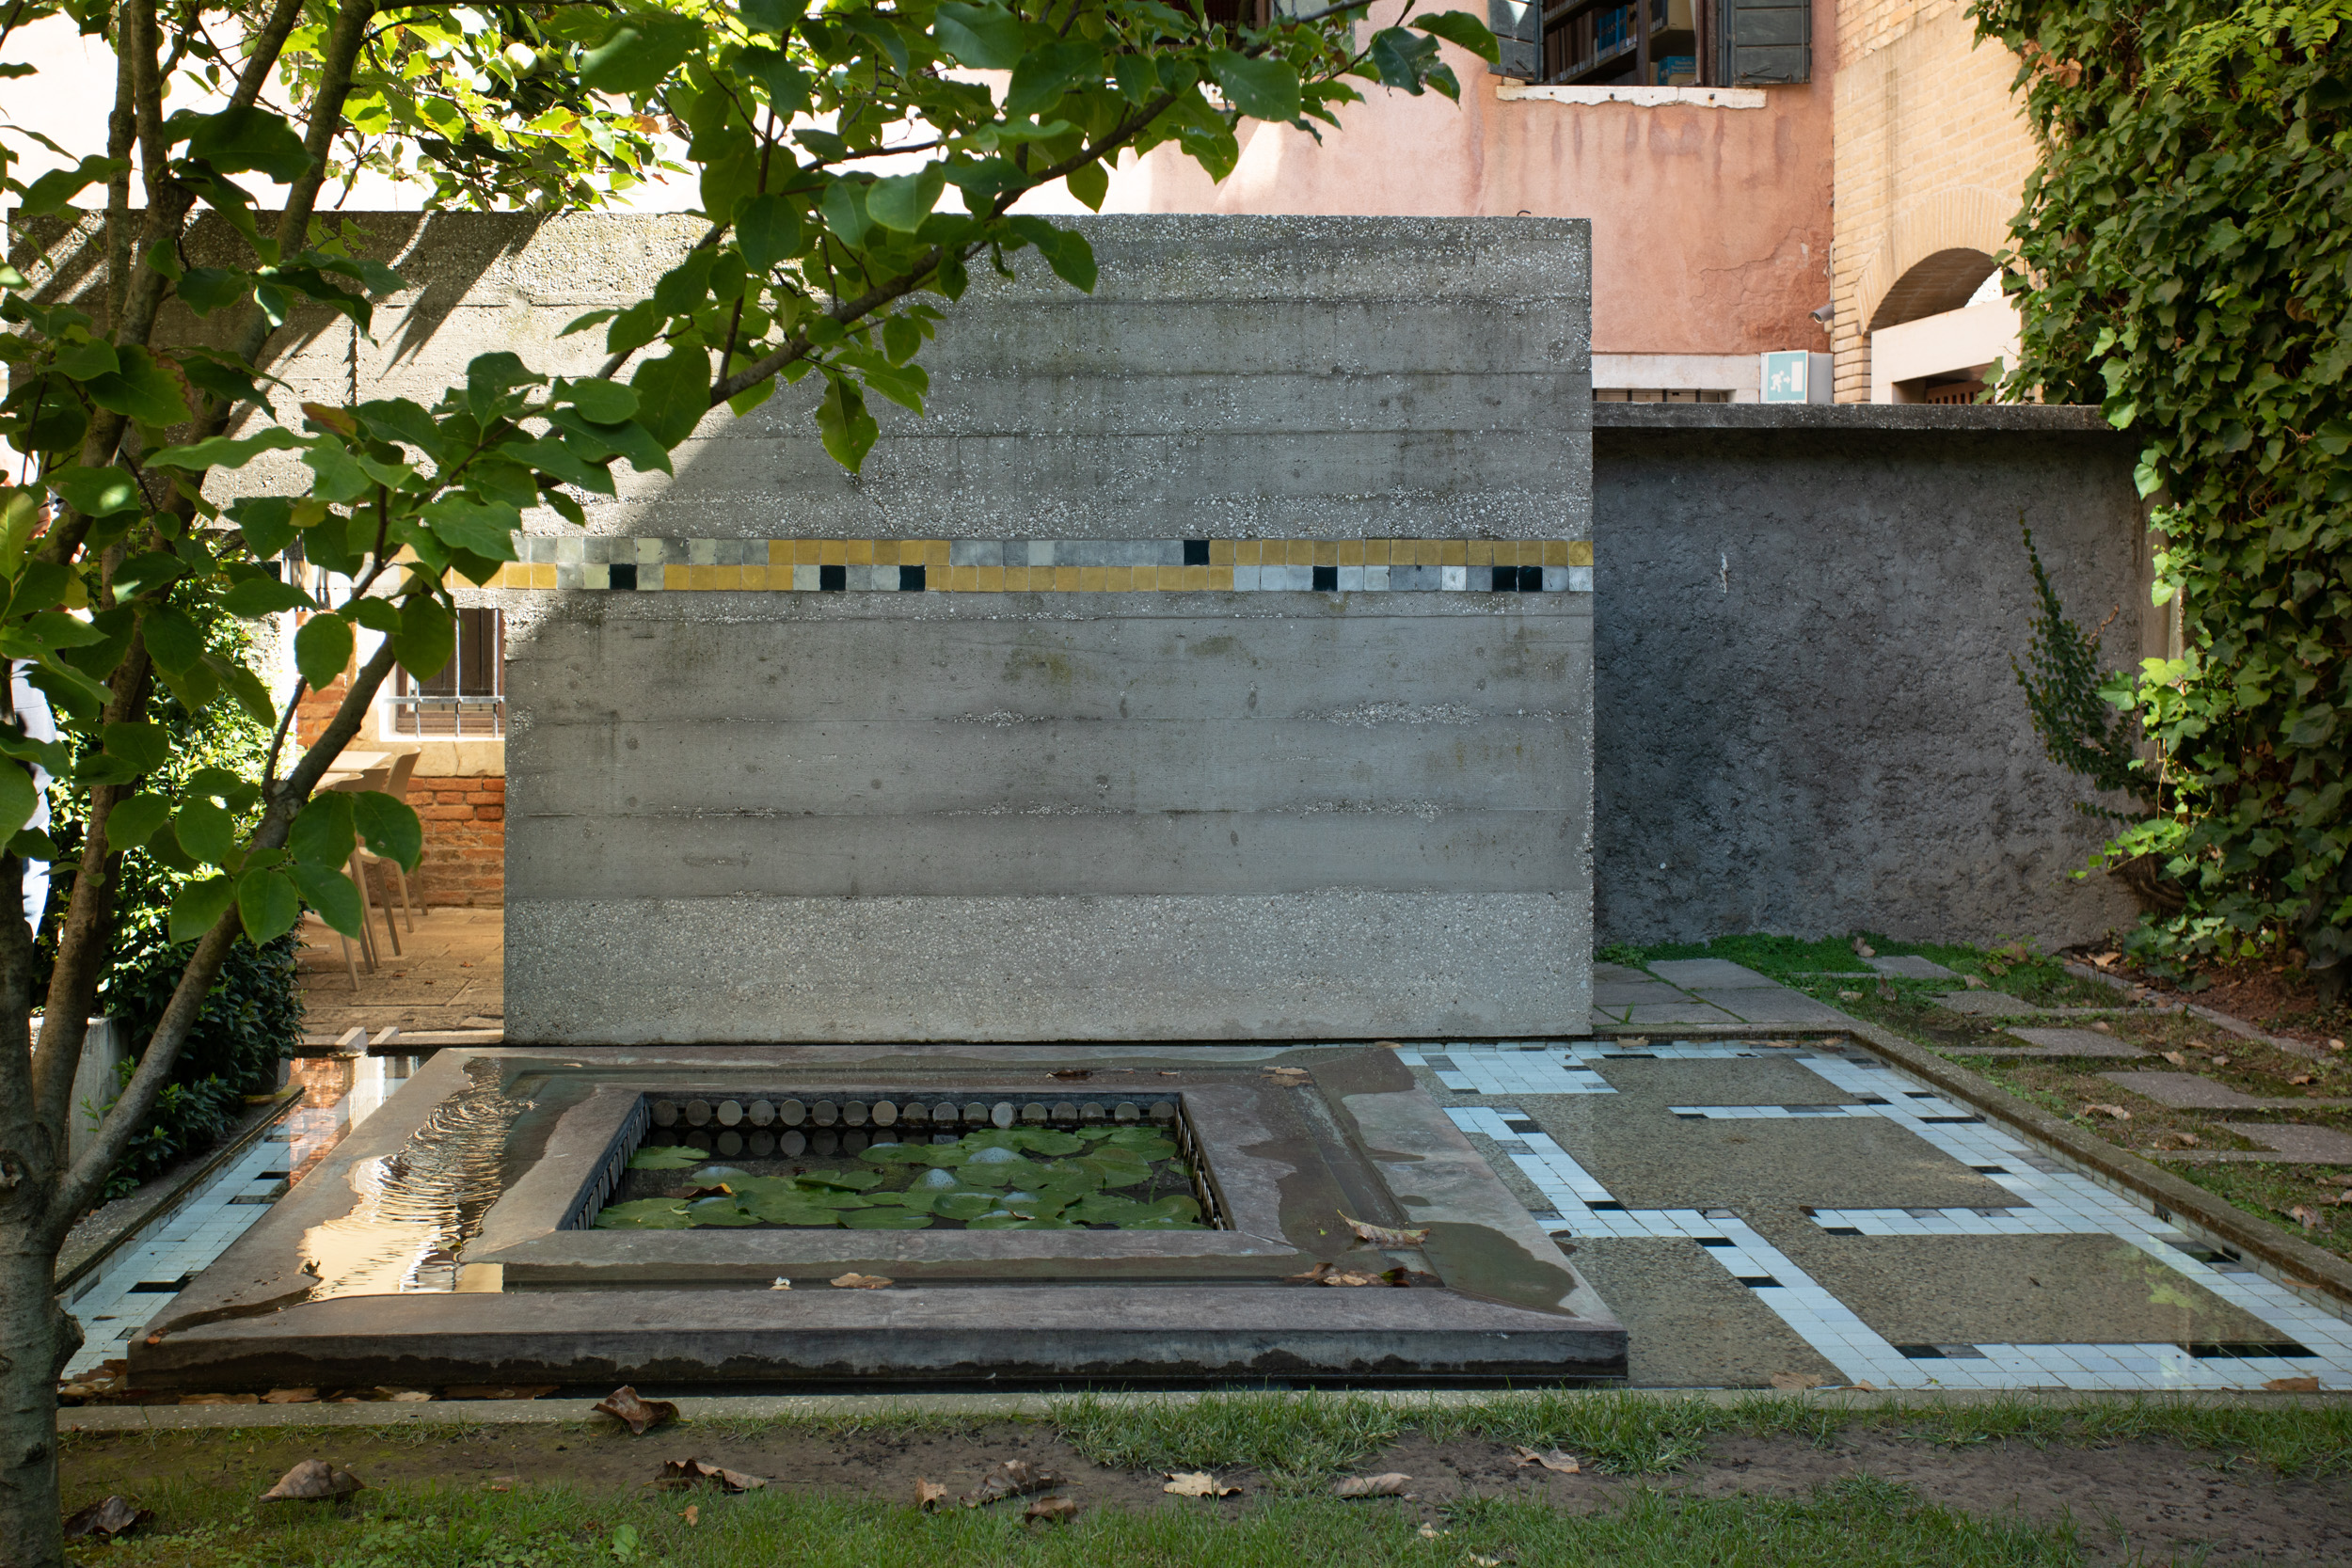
(1659, 1486)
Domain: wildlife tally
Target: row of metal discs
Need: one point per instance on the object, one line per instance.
(912, 1114)
(763, 1143)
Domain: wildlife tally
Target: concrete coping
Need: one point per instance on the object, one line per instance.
(1858, 418)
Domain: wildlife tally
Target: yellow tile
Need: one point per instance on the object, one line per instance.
(886, 552)
(1351, 552)
(1219, 576)
(1555, 552)
(988, 580)
(861, 552)
(1376, 552)
(543, 576)
(832, 552)
(1424, 552)
(805, 551)
(1091, 580)
(1017, 579)
(1197, 578)
(1126, 579)
(1326, 552)
(1480, 552)
(1580, 552)
(1302, 552)
(1456, 553)
(934, 553)
(1064, 578)
(674, 577)
(765, 578)
(780, 552)
(1246, 552)
(1220, 552)
(957, 579)
(1147, 579)
(698, 576)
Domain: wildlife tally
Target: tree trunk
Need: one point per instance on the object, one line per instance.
(36, 1337)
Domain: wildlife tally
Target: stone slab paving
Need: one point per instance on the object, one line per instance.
(449, 976)
(1987, 1004)
(2317, 1146)
(1752, 1210)
(2060, 1042)
(2184, 1091)
(1911, 967)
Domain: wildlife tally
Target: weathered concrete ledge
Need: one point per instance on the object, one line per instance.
(1858, 418)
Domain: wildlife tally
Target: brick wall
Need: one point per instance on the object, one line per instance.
(465, 839)
(1932, 153)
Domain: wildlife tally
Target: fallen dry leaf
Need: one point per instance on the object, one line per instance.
(499, 1390)
(677, 1474)
(1973, 982)
(2176, 1059)
(1060, 1510)
(1012, 1478)
(2105, 961)
(1293, 1076)
(1795, 1382)
(1431, 1532)
(1387, 1045)
(1073, 1072)
(1388, 1485)
(1197, 1483)
(291, 1396)
(2115, 1113)
(313, 1480)
(718, 1189)
(1866, 1386)
(1382, 1235)
(406, 1396)
(220, 1399)
(1558, 1460)
(1864, 950)
(640, 1414)
(1477, 1562)
(2221, 1061)
(2335, 1045)
(2187, 1140)
(861, 1282)
(929, 1494)
(2293, 1386)
(2304, 1215)
(2302, 1078)
(693, 1514)
(1849, 996)
(105, 1519)
(1328, 1272)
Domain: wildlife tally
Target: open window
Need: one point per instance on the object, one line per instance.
(1678, 43)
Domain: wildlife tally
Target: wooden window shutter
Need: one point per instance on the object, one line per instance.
(1517, 26)
(1762, 43)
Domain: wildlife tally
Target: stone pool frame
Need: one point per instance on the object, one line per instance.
(1288, 1151)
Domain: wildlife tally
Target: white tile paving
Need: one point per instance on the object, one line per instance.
(2049, 1201)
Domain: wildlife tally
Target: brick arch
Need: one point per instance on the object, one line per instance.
(1943, 239)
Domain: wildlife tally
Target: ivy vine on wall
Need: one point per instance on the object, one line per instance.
(2184, 258)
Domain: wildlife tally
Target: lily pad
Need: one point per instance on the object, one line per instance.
(964, 1206)
(1114, 1166)
(887, 1219)
(785, 1211)
(1013, 1171)
(666, 1157)
(719, 1211)
(848, 1181)
(936, 1182)
(825, 1197)
(1142, 1143)
(1004, 1220)
(1037, 1140)
(646, 1213)
(920, 1202)
(912, 1154)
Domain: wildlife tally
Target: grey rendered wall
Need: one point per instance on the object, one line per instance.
(779, 815)
(1806, 720)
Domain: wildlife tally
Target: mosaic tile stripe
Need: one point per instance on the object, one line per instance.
(1052, 565)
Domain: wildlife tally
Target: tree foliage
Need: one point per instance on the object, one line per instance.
(2186, 253)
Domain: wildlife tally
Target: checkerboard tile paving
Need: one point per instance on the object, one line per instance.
(2310, 1341)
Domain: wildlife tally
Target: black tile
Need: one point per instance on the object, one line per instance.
(1712, 1241)
(1519, 1124)
(625, 577)
(2234, 1348)
(909, 579)
(1611, 1207)
(833, 578)
(162, 1286)
(1919, 1353)
(1841, 1230)
(1196, 552)
(1756, 1281)
(1506, 579)
(1327, 579)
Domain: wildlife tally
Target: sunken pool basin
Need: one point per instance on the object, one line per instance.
(1044, 1216)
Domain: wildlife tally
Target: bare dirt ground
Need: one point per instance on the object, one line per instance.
(2137, 1503)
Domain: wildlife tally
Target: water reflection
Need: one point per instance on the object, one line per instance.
(416, 1210)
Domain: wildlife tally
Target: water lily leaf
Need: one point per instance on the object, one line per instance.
(1012, 1171)
(825, 1197)
(1002, 1219)
(918, 1202)
(673, 1157)
(898, 1154)
(1142, 1143)
(848, 1180)
(646, 1213)
(887, 1219)
(936, 1182)
(719, 1211)
(786, 1211)
(1037, 1140)
(964, 1206)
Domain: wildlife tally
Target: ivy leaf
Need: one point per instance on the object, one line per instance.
(200, 906)
(323, 650)
(268, 903)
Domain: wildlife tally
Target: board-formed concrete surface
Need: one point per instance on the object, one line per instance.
(972, 815)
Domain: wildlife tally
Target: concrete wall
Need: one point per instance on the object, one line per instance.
(1806, 722)
(1710, 206)
(776, 816)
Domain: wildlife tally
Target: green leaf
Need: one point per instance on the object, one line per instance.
(1464, 31)
(205, 289)
(266, 521)
(1402, 59)
(246, 687)
(485, 528)
(206, 831)
(134, 821)
(144, 746)
(786, 84)
(427, 640)
(1261, 88)
(257, 596)
(843, 208)
(604, 402)
(847, 429)
(323, 650)
(142, 389)
(986, 38)
(903, 201)
(58, 186)
(390, 829)
(97, 492)
(328, 890)
(240, 139)
(667, 1157)
(172, 640)
(769, 231)
(638, 53)
(495, 384)
(685, 287)
(673, 393)
(221, 451)
(200, 906)
(33, 844)
(268, 903)
(322, 832)
(1047, 74)
(19, 800)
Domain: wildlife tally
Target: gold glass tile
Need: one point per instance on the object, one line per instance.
(1377, 552)
(806, 552)
(1480, 552)
(674, 577)
(957, 579)
(1219, 576)
(1351, 552)
(1197, 578)
(1220, 552)
(1147, 579)
(764, 578)
(1091, 580)
(1327, 553)
(832, 552)
(1555, 552)
(780, 552)
(988, 580)
(1457, 553)
(1424, 552)
(861, 552)
(1246, 552)
(886, 552)
(1580, 552)
(935, 552)
(1302, 552)
(1062, 578)
(542, 576)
